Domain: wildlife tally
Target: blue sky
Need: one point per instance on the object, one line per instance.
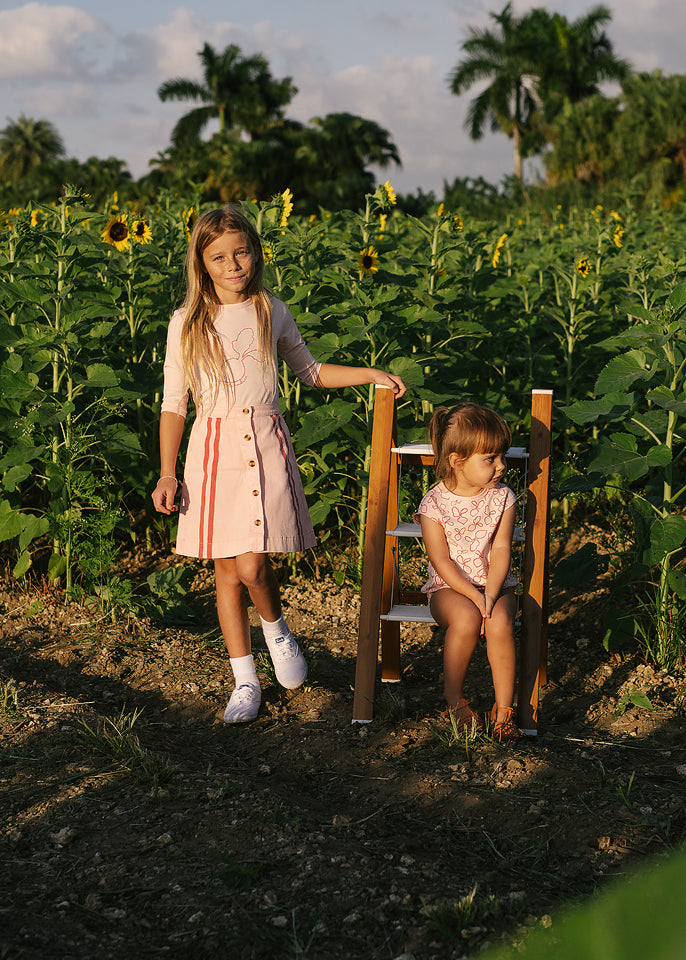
(93, 68)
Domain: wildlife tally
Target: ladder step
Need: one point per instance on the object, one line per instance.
(414, 530)
(405, 530)
(409, 614)
(426, 450)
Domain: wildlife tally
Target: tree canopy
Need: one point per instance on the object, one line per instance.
(637, 138)
(239, 91)
(535, 64)
(26, 144)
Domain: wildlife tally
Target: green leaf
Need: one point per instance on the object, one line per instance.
(667, 534)
(620, 629)
(10, 521)
(639, 699)
(22, 565)
(621, 372)
(584, 565)
(25, 291)
(677, 582)
(641, 916)
(613, 406)
(659, 456)
(663, 397)
(619, 455)
(323, 421)
(57, 566)
(677, 298)
(100, 375)
(410, 371)
(32, 527)
(15, 476)
(20, 453)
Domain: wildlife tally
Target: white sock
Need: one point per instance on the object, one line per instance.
(244, 670)
(275, 629)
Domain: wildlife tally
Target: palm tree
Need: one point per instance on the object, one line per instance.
(26, 144)
(583, 58)
(239, 90)
(536, 63)
(511, 99)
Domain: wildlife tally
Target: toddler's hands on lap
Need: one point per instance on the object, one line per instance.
(489, 603)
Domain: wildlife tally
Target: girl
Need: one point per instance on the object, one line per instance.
(241, 496)
(467, 521)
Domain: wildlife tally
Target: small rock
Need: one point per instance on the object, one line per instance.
(681, 769)
(280, 922)
(63, 837)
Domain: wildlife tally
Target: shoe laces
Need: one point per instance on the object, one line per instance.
(287, 646)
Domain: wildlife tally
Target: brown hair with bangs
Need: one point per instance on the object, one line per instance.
(201, 349)
(466, 429)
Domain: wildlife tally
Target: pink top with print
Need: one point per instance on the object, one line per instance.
(469, 524)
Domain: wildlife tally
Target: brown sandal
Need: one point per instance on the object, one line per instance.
(506, 730)
(465, 718)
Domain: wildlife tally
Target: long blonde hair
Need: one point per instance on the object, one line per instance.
(466, 429)
(201, 349)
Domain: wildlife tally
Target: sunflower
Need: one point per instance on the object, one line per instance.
(495, 259)
(440, 213)
(140, 231)
(286, 199)
(268, 252)
(617, 235)
(35, 217)
(583, 266)
(368, 261)
(385, 195)
(383, 217)
(189, 217)
(456, 223)
(616, 216)
(117, 233)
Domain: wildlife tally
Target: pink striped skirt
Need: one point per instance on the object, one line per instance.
(242, 491)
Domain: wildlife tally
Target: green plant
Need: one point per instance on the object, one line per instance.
(238, 876)
(116, 740)
(450, 919)
(624, 792)
(390, 706)
(640, 405)
(451, 737)
(635, 697)
(9, 698)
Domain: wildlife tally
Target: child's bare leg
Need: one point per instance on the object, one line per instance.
(500, 647)
(231, 607)
(255, 571)
(289, 664)
(244, 703)
(462, 622)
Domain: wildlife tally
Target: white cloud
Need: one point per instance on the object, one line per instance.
(41, 42)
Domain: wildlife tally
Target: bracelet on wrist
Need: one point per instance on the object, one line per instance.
(169, 477)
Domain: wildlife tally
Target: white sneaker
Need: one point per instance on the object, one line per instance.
(290, 665)
(244, 704)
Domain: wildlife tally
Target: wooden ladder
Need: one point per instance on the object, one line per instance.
(381, 537)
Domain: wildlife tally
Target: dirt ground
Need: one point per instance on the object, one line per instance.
(137, 825)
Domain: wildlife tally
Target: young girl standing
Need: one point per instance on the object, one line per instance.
(241, 496)
(467, 522)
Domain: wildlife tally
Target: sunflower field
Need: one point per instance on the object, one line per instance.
(588, 302)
